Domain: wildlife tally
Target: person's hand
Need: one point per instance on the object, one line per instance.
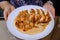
(3, 4)
(50, 8)
(7, 11)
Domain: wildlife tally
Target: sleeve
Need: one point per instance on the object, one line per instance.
(56, 6)
(5, 0)
(1, 0)
(44, 1)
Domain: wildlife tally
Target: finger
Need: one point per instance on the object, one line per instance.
(12, 8)
(53, 12)
(3, 4)
(5, 15)
(51, 9)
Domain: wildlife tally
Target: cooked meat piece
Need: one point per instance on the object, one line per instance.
(31, 24)
(17, 24)
(26, 28)
(42, 16)
(32, 11)
(21, 25)
(26, 21)
(48, 18)
(32, 17)
(37, 16)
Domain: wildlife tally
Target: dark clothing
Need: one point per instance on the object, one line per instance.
(1, 0)
(18, 3)
(37, 2)
(57, 7)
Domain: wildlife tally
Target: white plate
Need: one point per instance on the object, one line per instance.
(12, 29)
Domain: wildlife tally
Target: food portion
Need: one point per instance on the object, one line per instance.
(32, 21)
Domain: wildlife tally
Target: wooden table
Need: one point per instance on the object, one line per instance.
(55, 34)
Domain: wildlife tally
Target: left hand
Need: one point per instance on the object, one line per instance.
(50, 8)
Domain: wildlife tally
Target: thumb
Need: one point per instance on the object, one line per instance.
(12, 8)
(6, 13)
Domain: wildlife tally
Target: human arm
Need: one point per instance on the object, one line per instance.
(50, 7)
(7, 7)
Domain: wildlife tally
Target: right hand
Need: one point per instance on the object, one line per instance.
(7, 11)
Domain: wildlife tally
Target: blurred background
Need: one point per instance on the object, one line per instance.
(54, 35)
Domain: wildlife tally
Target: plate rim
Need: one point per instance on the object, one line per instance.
(30, 36)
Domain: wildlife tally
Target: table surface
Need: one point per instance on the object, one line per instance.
(6, 35)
